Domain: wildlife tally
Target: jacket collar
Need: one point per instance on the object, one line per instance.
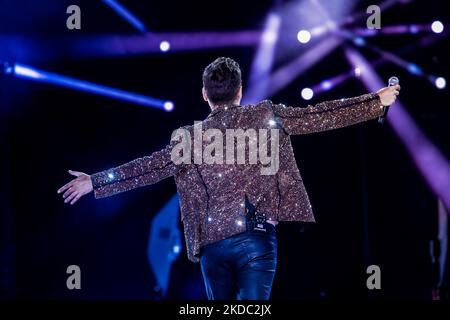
(222, 108)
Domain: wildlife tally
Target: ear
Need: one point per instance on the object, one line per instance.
(240, 93)
(205, 96)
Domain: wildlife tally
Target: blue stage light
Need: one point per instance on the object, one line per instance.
(414, 69)
(27, 72)
(23, 71)
(176, 249)
(164, 244)
(127, 15)
(6, 68)
(359, 41)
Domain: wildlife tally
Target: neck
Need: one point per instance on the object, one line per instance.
(217, 106)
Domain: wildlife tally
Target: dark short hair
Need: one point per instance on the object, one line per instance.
(222, 80)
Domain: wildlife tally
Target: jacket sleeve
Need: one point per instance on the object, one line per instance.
(137, 173)
(328, 115)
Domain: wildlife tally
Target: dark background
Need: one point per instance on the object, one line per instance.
(371, 204)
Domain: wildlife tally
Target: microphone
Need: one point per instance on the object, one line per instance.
(393, 81)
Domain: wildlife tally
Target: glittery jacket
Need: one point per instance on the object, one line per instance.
(212, 195)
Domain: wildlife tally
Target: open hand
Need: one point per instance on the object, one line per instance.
(76, 188)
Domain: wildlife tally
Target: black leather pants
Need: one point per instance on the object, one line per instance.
(241, 267)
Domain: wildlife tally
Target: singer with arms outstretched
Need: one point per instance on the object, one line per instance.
(229, 210)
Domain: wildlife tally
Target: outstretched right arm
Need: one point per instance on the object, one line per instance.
(76, 188)
(335, 114)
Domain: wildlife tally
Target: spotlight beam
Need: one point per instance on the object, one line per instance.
(263, 60)
(432, 164)
(331, 25)
(393, 30)
(384, 6)
(341, 78)
(409, 66)
(29, 73)
(32, 50)
(126, 15)
(290, 71)
(113, 45)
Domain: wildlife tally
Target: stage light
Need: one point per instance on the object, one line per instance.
(287, 73)
(164, 46)
(326, 85)
(263, 60)
(440, 83)
(433, 165)
(168, 106)
(357, 71)
(176, 249)
(414, 69)
(307, 93)
(272, 122)
(6, 68)
(304, 36)
(164, 242)
(26, 72)
(359, 41)
(270, 36)
(437, 27)
(413, 29)
(127, 15)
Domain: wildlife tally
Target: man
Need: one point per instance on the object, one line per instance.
(229, 210)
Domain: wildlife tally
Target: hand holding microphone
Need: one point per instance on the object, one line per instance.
(388, 95)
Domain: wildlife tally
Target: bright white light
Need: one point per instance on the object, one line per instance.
(272, 122)
(176, 249)
(357, 71)
(239, 222)
(270, 36)
(168, 105)
(307, 93)
(437, 27)
(304, 36)
(440, 82)
(164, 46)
(220, 175)
(27, 72)
(110, 175)
(209, 219)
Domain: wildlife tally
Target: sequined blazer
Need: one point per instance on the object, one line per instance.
(212, 195)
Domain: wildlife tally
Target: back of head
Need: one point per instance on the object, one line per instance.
(222, 80)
